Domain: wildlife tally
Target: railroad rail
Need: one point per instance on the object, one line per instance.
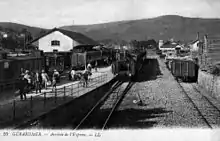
(118, 91)
(114, 96)
(208, 111)
(213, 108)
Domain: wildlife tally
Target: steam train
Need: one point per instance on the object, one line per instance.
(128, 62)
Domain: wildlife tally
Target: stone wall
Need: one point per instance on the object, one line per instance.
(210, 83)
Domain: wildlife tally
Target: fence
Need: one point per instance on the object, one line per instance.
(18, 110)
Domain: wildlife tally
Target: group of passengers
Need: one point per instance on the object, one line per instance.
(40, 79)
(83, 76)
(35, 80)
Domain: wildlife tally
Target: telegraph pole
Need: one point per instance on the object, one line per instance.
(85, 59)
(24, 42)
(5, 36)
(23, 36)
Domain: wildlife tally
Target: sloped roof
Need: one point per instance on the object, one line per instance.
(87, 47)
(168, 46)
(91, 47)
(194, 41)
(82, 39)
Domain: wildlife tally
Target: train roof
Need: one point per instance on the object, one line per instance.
(5, 60)
(86, 47)
(22, 58)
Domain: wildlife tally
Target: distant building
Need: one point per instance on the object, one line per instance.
(168, 48)
(160, 43)
(61, 40)
(194, 46)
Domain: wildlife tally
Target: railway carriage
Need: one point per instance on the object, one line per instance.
(10, 69)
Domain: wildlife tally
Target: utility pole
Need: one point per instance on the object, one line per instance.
(85, 59)
(24, 42)
(5, 36)
(23, 36)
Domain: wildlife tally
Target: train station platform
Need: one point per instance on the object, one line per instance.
(14, 110)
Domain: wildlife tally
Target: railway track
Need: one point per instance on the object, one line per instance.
(207, 110)
(98, 117)
(100, 120)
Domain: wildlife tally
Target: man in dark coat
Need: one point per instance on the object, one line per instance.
(85, 77)
(23, 84)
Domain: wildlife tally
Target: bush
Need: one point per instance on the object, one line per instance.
(214, 69)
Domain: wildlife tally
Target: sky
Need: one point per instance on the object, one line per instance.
(56, 13)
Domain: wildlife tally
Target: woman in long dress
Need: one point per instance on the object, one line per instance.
(45, 78)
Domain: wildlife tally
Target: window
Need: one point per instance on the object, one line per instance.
(6, 65)
(55, 43)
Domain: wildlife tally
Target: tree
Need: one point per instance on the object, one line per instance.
(9, 43)
(42, 32)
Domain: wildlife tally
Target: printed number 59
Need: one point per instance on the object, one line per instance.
(5, 133)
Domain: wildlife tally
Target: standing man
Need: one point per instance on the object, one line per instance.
(54, 84)
(73, 73)
(89, 67)
(45, 78)
(56, 75)
(27, 76)
(85, 78)
(96, 65)
(23, 84)
(38, 81)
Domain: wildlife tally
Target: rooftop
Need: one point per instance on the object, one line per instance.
(82, 39)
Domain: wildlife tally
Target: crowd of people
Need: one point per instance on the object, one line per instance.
(82, 76)
(40, 79)
(35, 80)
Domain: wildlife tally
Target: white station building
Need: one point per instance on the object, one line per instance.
(61, 40)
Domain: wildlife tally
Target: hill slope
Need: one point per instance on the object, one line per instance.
(163, 27)
(35, 31)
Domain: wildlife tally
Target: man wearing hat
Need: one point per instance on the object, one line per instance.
(56, 75)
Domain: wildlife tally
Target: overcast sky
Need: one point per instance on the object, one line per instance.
(55, 13)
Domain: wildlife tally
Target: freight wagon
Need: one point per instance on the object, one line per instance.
(186, 70)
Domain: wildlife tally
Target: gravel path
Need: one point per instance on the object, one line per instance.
(165, 105)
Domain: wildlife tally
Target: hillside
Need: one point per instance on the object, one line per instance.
(163, 27)
(14, 27)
